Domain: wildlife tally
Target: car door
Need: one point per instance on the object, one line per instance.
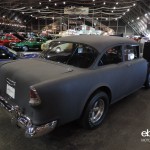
(135, 67)
(112, 70)
(119, 74)
(37, 43)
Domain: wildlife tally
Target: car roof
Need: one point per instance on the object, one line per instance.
(96, 41)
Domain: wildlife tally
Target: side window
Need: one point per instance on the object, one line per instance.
(112, 56)
(131, 52)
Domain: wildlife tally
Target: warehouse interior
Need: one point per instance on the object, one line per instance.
(130, 16)
(127, 119)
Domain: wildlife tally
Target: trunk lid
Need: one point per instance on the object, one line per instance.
(16, 78)
(35, 70)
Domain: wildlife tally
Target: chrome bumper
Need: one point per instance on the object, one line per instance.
(18, 118)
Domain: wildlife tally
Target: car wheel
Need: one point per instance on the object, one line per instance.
(25, 48)
(95, 111)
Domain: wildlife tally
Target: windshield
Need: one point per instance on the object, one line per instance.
(75, 54)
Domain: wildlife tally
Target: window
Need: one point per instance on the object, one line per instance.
(112, 56)
(131, 52)
(83, 56)
(74, 54)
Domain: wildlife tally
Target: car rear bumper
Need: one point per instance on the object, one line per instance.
(21, 120)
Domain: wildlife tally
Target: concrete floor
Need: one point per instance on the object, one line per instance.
(121, 130)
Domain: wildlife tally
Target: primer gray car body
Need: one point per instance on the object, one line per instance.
(64, 90)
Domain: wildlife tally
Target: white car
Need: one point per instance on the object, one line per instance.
(45, 46)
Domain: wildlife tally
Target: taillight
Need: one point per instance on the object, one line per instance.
(34, 97)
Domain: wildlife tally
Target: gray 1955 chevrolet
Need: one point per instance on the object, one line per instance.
(76, 79)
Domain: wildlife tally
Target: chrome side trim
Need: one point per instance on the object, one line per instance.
(23, 121)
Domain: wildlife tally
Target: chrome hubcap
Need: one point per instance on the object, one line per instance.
(97, 111)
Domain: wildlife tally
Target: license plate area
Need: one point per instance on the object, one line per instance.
(10, 88)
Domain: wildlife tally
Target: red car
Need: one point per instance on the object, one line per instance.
(9, 38)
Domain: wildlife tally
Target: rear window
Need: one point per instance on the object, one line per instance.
(75, 54)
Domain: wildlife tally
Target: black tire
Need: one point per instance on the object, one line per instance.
(97, 107)
(25, 48)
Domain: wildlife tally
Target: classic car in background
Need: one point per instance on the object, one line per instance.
(45, 46)
(10, 38)
(7, 54)
(21, 37)
(33, 44)
(76, 79)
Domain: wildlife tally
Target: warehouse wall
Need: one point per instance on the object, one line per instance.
(119, 27)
